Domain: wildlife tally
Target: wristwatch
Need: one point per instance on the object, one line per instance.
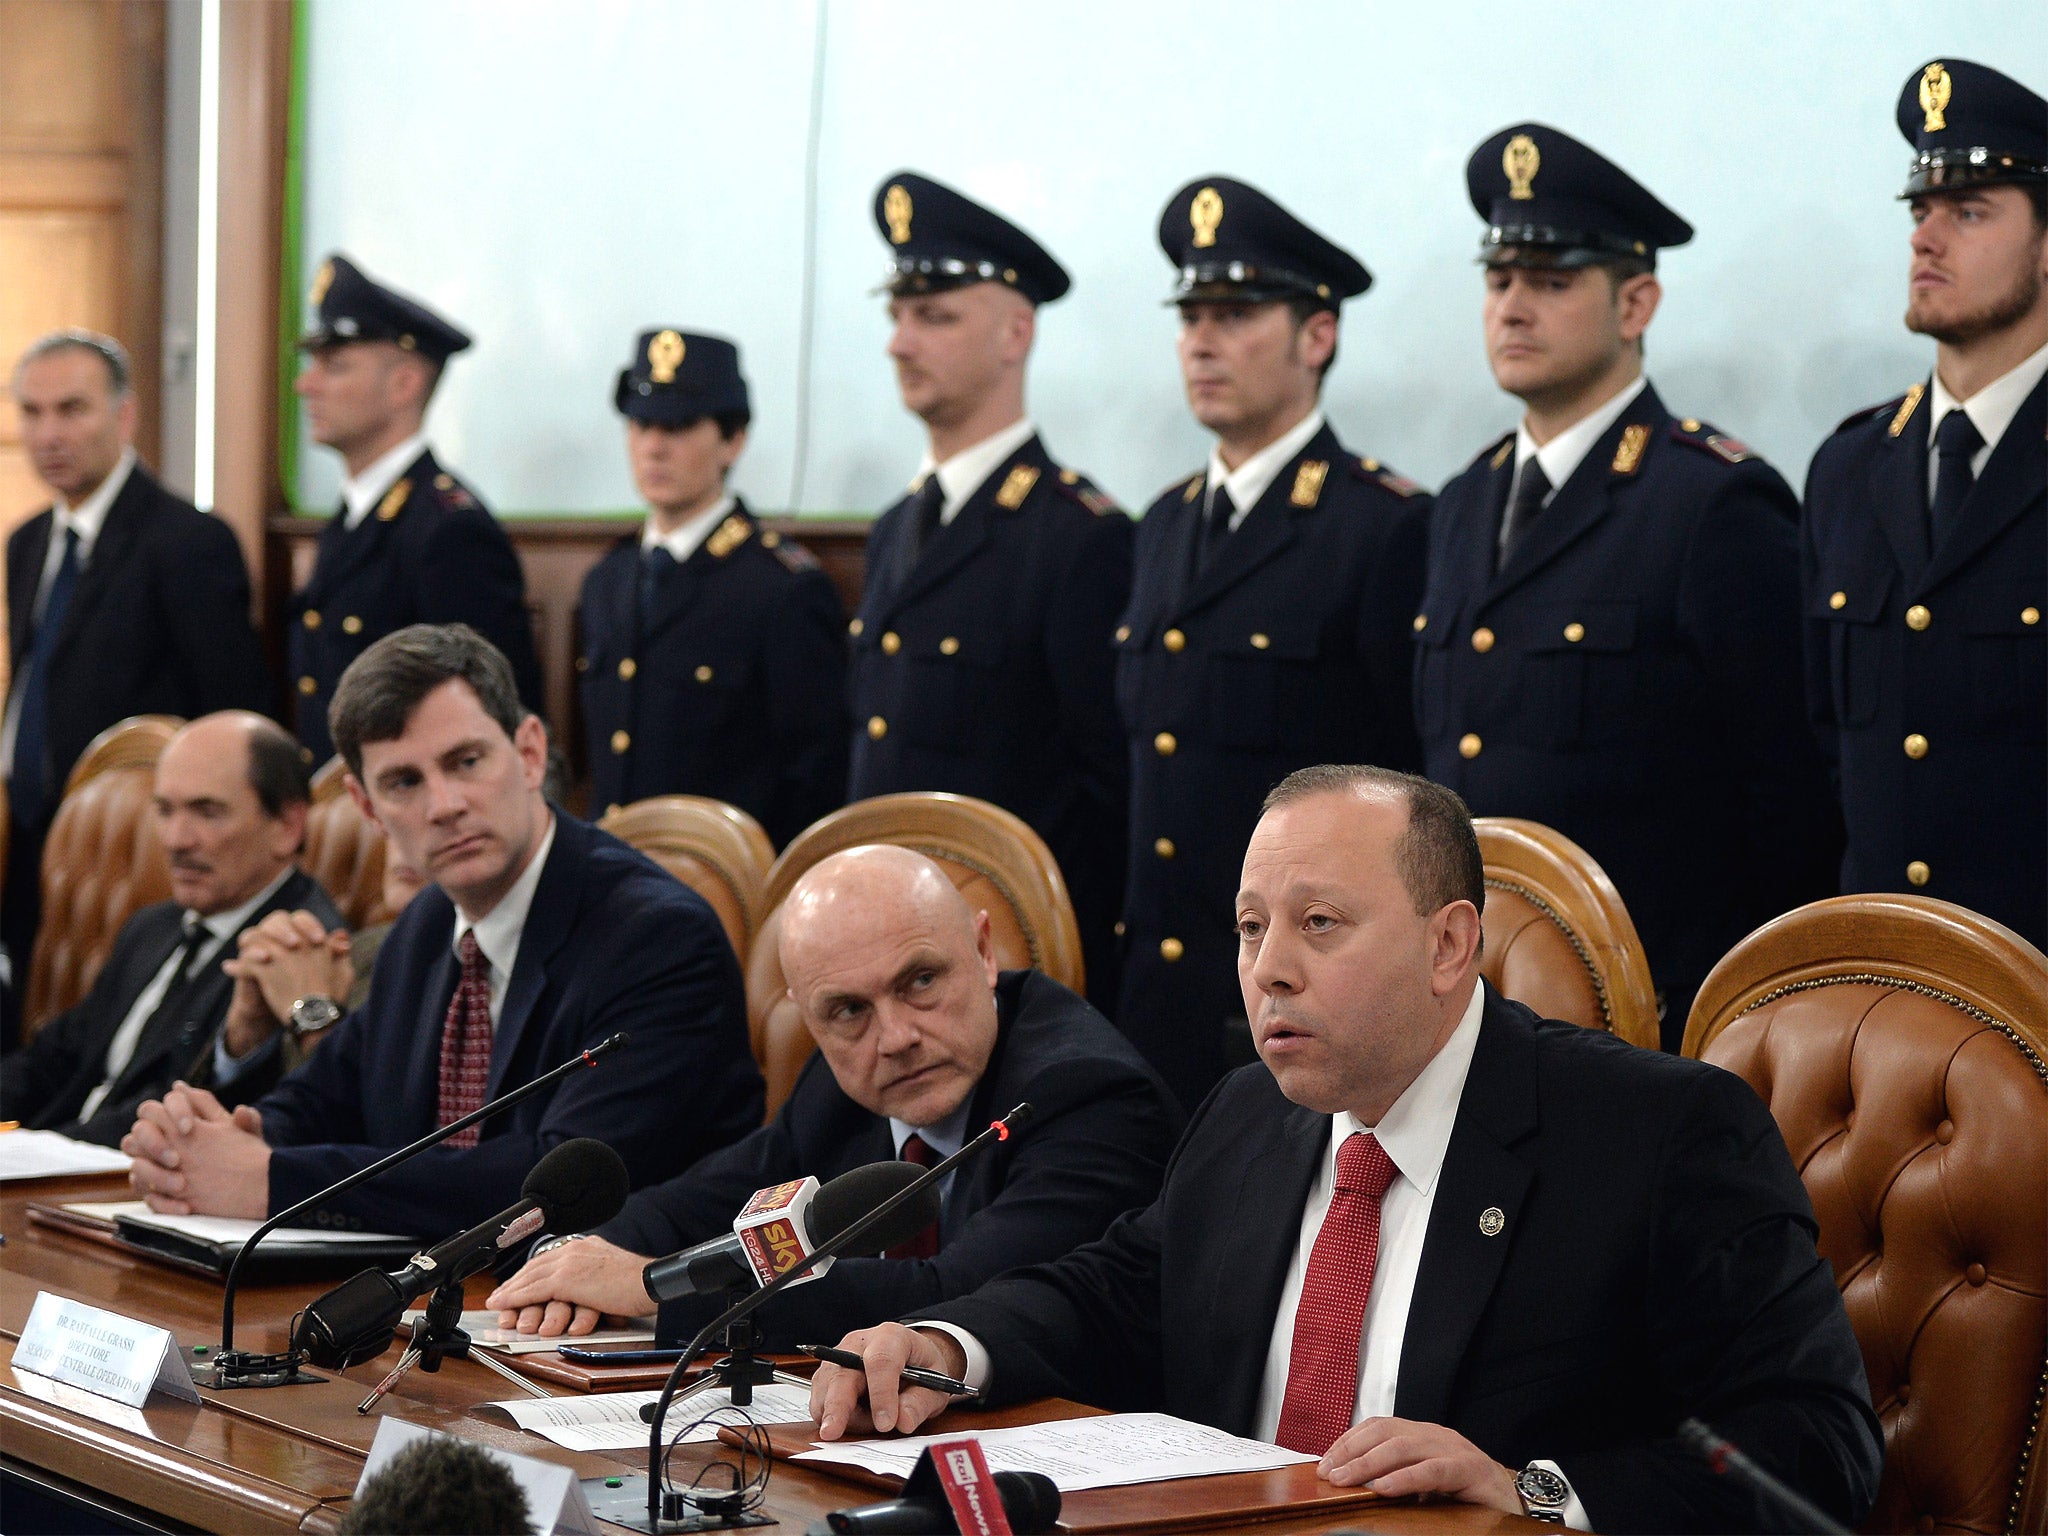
(310, 1015)
(1544, 1494)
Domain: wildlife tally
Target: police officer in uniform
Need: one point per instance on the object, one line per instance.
(410, 544)
(713, 651)
(1926, 550)
(1606, 644)
(1268, 622)
(981, 652)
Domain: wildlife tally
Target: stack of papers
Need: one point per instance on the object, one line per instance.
(1107, 1451)
(233, 1231)
(47, 1155)
(610, 1421)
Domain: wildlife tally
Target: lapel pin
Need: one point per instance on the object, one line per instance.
(1491, 1221)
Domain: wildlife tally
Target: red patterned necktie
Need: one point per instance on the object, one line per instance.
(926, 1243)
(466, 1042)
(1322, 1372)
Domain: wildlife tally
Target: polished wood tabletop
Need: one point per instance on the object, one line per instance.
(287, 1459)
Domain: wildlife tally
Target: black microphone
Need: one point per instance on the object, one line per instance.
(1728, 1461)
(578, 1185)
(751, 1255)
(231, 1367)
(1031, 1501)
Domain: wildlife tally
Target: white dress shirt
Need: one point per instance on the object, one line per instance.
(961, 475)
(499, 930)
(220, 927)
(683, 543)
(1251, 479)
(362, 492)
(1990, 410)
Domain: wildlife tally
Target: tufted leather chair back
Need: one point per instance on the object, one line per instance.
(717, 850)
(344, 850)
(997, 861)
(102, 863)
(1557, 935)
(1898, 1041)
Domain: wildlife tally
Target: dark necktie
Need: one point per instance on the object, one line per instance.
(1956, 442)
(1527, 501)
(926, 1243)
(196, 936)
(36, 778)
(1215, 526)
(655, 566)
(466, 1043)
(1329, 1322)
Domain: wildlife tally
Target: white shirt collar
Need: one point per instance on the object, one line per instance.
(499, 931)
(1993, 407)
(962, 475)
(225, 925)
(1563, 454)
(367, 489)
(945, 1138)
(684, 541)
(1251, 479)
(90, 515)
(1416, 1129)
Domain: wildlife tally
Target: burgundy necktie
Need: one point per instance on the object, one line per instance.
(926, 1243)
(1322, 1372)
(466, 1042)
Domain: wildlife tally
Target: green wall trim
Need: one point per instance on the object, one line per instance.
(291, 257)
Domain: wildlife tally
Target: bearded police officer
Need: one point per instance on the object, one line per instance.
(409, 544)
(981, 653)
(1268, 622)
(1606, 642)
(1926, 535)
(713, 650)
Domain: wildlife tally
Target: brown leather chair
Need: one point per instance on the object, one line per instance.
(998, 862)
(717, 850)
(1899, 1042)
(102, 863)
(344, 850)
(1557, 935)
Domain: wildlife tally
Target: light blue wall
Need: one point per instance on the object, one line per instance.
(557, 174)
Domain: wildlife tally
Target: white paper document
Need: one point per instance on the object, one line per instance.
(610, 1421)
(47, 1155)
(1107, 1451)
(482, 1328)
(231, 1231)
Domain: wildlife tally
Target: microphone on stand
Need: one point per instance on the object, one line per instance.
(1727, 1460)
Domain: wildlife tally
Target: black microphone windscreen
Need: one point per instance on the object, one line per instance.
(852, 1195)
(579, 1185)
(1030, 1499)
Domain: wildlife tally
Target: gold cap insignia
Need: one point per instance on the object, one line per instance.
(663, 353)
(394, 498)
(1016, 487)
(1905, 412)
(1204, 214)
(1629, 452)
(325, 276)
(1935, 90)
(896, 209)
(1308, 482)
(1521, 160)
(729, 536)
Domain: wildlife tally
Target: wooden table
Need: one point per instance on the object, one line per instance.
(287, 1459)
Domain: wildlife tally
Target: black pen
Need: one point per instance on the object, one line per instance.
(915, 1375)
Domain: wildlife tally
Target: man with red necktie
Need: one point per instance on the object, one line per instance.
(1449, 1248)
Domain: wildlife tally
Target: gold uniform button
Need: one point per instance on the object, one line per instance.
(1482, 639)
(702, 674)
(1164, 744)
(621, 742)
(1421, 622)
(856, 627)
(1917, 617)
(949, 646)
(1163, 846)
(770, 539)
(891, 643)
(1123, 633)
(1838, 600)
(1171, 950)
(1174, 640)
(351, 625)
(311, 618)
(1261, 642)
(1689, 425)
(308, 686)
(877, 727)
(582, 663)
(1917, 872)
(2030, 615)
(1916, 746)
(627, 667)
(1468, 745)
(1118, 930)
(1575, 632)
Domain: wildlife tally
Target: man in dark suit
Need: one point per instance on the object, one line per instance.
(1613, 592)
(540, 938)
(981, 653)
(713, 654)
(410, 543)
(1445, 1247)
(1268, 624)
(230, 811)
(1926, 549)
(921, 1043)
(122, 600)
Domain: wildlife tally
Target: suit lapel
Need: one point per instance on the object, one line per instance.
(1898, 486)
(1467, 1243)
(23, 579)
(1478, 530)
(952, 545)
(354, 547)
(2014, 478)
(1270, 525)
(119, 536)
(548, 922)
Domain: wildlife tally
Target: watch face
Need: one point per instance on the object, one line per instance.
(314, 1013)
(1540, 1485)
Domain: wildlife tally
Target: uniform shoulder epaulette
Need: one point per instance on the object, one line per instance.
(453, 492)
(1495, 453)
(1697, 434)
(1400, 485)
(794, 556)
(1078, 487)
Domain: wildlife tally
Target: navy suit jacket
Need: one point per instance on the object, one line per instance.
(612, 942)
(1101, 1127)
(1949, 644)
(1657, 1261)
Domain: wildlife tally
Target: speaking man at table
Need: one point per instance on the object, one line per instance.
(1448, 1247)
(539, 938)
(921, 1042)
